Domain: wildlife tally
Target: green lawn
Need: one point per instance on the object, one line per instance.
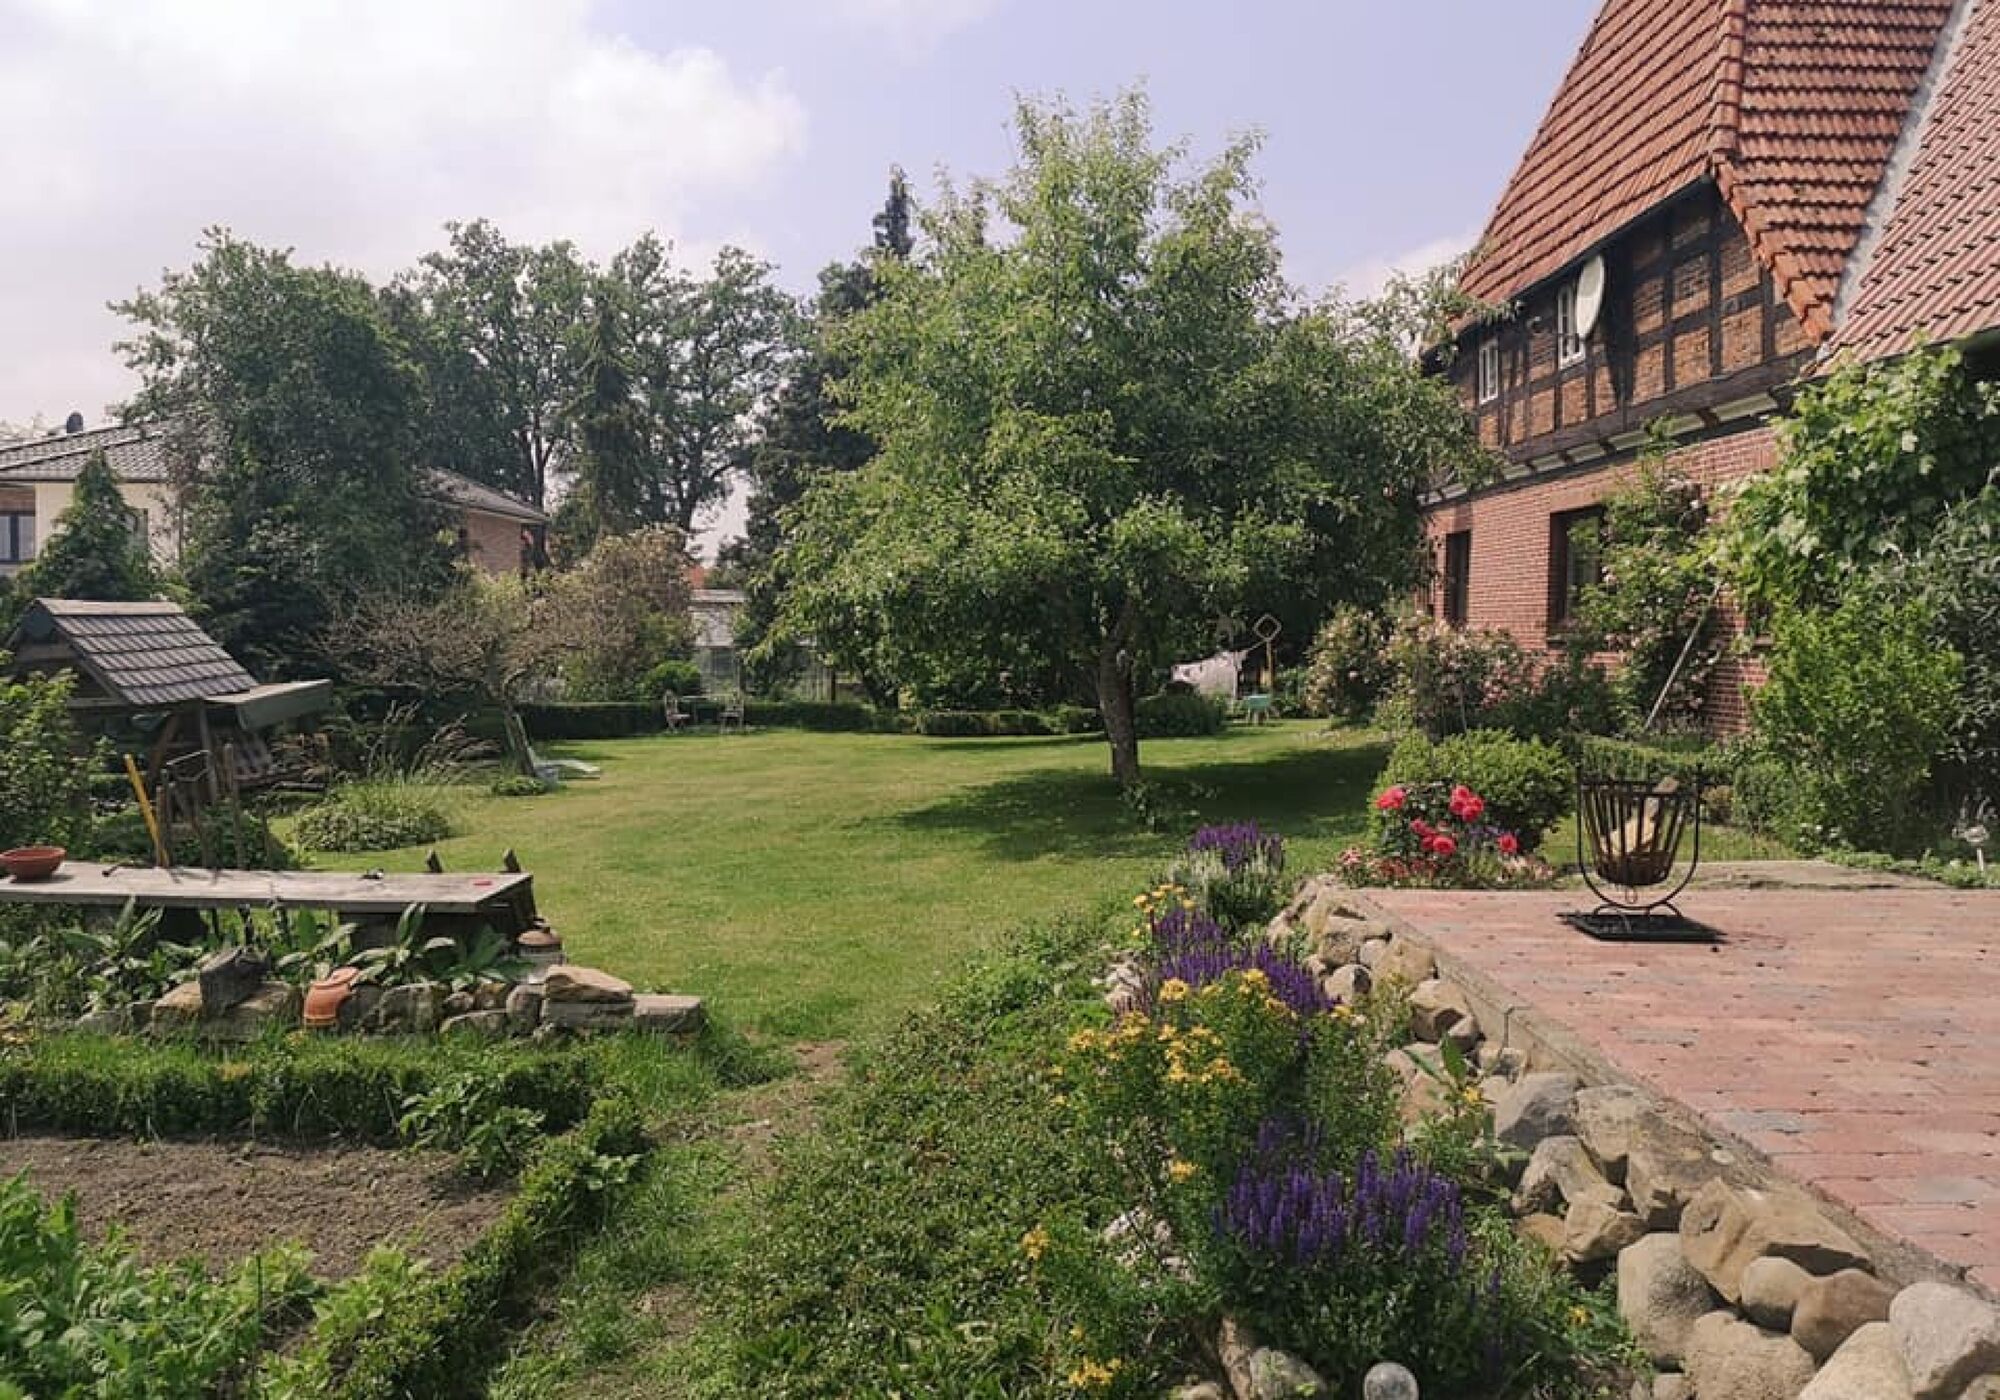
(816, 885)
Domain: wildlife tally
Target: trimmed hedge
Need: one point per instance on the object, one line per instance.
(959, 724)
(1180, 715)
(1640, 762)
(308, 1089)
(441, 1337)
(1527, 783)
(625, 719)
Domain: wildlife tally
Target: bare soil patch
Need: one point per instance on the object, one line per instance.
(221, 1201)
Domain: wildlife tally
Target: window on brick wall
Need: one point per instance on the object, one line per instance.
(1489, 370)
(1576, 561)
(1569, 342)
(17, 537)
(1457, 576)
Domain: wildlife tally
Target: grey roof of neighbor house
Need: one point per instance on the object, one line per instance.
(136, 453)
(142, 654)
(467, 494)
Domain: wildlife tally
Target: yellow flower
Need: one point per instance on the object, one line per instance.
(1035, 1243)
(1056, 1071)
(1138, 901)
(1472, 1095)
(1180, 1170)
(1254, 978)
(1578, 1316)
(1081, 1041)
(1095, 1375)
(1174, 989)
(1076, 1333)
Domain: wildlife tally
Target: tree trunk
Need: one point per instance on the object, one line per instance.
(1114, 702)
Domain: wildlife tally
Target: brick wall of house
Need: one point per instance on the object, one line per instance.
(1509, 581)
(493, 541)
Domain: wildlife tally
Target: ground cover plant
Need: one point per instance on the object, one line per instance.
(1022, 1194)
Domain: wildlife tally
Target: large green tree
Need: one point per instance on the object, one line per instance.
(96, 550)
(499, 332)
(1103, 422)
(800, 431)
(706, 351)
(295, 412)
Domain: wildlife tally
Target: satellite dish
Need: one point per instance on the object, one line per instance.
(1589, 296)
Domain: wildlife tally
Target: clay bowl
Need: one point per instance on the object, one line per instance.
(26, 863)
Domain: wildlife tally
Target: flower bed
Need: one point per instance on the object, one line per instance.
(1440, 834)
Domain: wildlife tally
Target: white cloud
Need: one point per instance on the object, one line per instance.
(1368, 278)
(350, 129)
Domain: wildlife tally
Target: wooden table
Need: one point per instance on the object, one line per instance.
(504, 902)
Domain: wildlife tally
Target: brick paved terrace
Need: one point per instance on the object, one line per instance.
(1850, 1035)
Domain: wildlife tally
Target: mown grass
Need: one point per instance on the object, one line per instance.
(818, 886)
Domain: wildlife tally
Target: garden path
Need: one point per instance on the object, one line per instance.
(1847, 1034)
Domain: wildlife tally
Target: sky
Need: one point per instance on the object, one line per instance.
(351, 130)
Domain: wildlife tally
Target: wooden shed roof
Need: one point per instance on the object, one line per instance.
(145, 655)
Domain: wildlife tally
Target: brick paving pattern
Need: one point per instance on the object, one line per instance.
(1852, 1036)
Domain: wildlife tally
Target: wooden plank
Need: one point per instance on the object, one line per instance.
(89, 884)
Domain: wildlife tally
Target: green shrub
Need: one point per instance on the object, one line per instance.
(89, 1319)
(1347, 668)
(673, 676)
(1569, 694)
(1445, 680)
(1643, 761)
(1182, 715)
(311, 1089)
(1527, 783)
(603, 719)
(373, 816)
(122, 837)
(952, 724)
(1763, 797)
(1957, 575)
(44, 773)
(1078, 719)
(518, 785)
(1858, 705)
(439, 1337)
(822, 716)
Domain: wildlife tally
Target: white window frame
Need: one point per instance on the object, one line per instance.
(1571, 348)
(1489, 369)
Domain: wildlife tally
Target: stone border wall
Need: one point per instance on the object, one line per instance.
(1738, 1283)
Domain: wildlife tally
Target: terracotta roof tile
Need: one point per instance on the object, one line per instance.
(1935, 270)
(1793, 107)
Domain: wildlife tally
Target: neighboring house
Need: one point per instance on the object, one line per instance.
(38, 477)
(497, 532)
(713, 612)
(1708, 209)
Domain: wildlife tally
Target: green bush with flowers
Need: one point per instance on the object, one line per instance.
(1257, 1131)
(1442, 834)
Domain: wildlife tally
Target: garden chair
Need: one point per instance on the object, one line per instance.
(670, 704)
(732, 713)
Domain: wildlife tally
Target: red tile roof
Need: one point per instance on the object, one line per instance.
(1935, 269)
(1792, 107)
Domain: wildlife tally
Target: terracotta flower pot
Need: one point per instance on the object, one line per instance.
(325, 997)
(33, 862)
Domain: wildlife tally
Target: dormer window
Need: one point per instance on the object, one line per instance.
(1489, 370)
(1569, 340)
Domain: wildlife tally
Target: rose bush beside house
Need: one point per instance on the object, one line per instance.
(1441, 833)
